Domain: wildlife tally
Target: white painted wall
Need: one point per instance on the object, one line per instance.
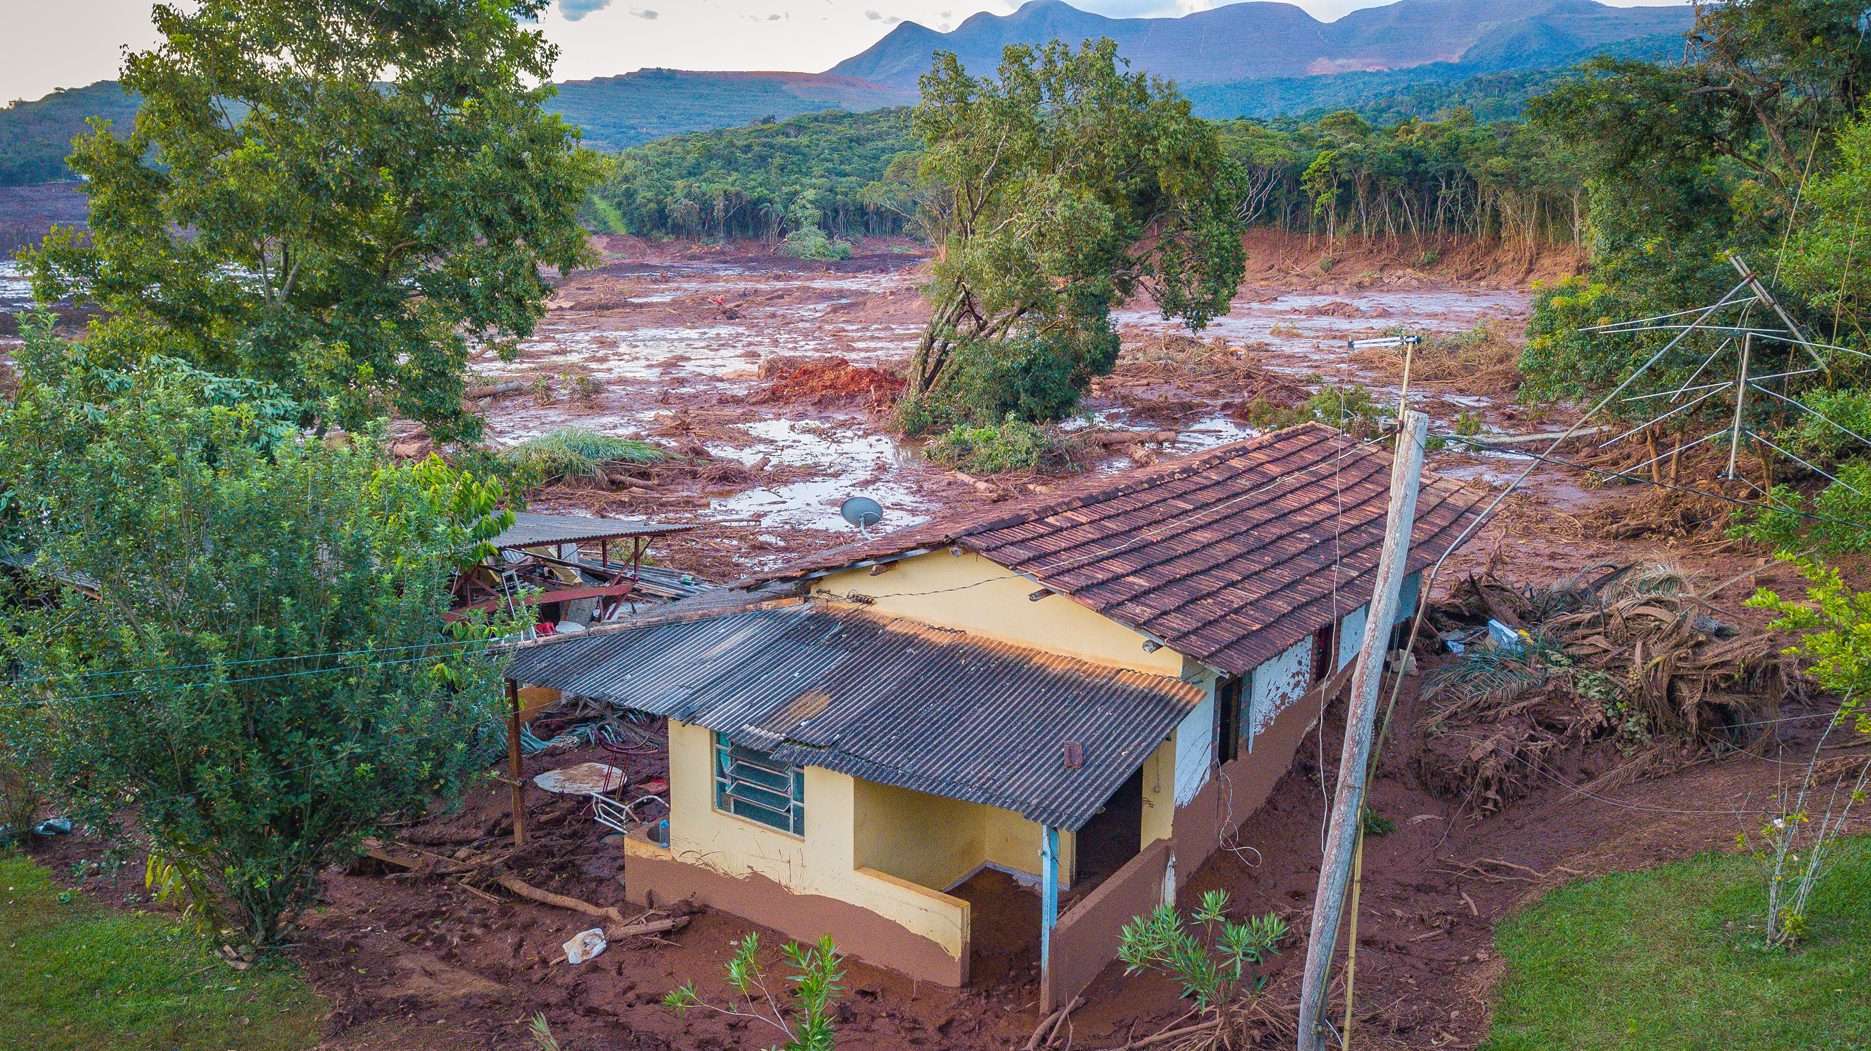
(1195, 749)
(1351, 635)
(1276, 684)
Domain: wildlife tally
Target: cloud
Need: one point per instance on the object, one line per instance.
(573, 10)
(876, 17)
(644, 13)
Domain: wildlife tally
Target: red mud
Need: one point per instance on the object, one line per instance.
(687, 347)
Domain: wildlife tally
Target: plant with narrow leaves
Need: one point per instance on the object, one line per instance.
(1209, 955)
(806, 1021)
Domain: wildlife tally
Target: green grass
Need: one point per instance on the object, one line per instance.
(76, 976)
(1671, 959)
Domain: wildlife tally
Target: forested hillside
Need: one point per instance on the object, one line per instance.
(852, 175)
(35, 136)
(616, 112)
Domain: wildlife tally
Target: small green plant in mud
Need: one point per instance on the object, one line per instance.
(1213, 958)
(1376, 824)
(1013, 445)
(541, 1032)
(806, 1020)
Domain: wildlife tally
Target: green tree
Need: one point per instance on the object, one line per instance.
(1053, 192)
(342, 198)
(261, 675)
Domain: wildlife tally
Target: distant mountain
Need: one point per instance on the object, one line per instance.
(1253, 41)
(1493, 89)
(629, 110)
(1244, 59)
(35, 136)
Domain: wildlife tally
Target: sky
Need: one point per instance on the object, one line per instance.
(69, 43)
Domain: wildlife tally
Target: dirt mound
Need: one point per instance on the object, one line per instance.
(1290, 258)
(824, 382)
(1173, 376)
(1623, 660)
(1485, 360)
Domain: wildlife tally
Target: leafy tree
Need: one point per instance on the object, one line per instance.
(1685, 161)
(1054, 192)
(262, 676)
(341, 198)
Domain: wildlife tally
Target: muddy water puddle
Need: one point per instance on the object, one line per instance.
(667, 341)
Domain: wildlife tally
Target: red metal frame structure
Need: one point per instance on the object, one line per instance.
(523, 572)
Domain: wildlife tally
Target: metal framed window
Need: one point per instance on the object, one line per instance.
(750, 784)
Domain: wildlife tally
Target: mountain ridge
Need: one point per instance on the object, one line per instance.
(1202, 48)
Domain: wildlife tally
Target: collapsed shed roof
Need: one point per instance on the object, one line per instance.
(531, 529)
(1228, 556)
(886, 700)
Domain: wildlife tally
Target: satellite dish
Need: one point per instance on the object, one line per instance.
(861, 511)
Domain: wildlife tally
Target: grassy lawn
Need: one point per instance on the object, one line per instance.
(74, 975)
(1663, 959)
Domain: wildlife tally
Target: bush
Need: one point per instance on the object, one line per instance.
(1210, 956)
(573, 453)
(1350, 409)
(1033, 377)
(811, 242)
(807, 1021)
(1013, 445)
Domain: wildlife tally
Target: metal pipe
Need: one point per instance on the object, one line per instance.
(1741, 396)
(513, 763)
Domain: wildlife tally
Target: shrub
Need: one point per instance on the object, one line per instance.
(1030, 376)
(1013, 445)
(574, 453)
(807, 1020)
(811, 242)
(1350, 409)
(1210, 956)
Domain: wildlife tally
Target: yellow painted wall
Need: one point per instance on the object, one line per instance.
(974, 594)
(823, 861)
(1159, 793)
(916, 836)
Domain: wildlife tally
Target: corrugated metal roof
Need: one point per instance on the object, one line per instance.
(530, 529)
(884, 699)
(1228, 556)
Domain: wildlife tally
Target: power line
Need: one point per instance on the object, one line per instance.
(1640, 480)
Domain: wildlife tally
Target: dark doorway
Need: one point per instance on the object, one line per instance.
(1113, 836)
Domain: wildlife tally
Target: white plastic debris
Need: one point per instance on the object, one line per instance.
(1505, 639)
(585, 945)
(584, 779)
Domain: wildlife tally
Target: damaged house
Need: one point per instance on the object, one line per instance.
(1015, 728)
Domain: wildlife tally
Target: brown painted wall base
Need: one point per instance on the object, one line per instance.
(1235, 790)
(1086, 938)
(859, 932)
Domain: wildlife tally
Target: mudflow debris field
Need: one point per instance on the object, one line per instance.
(767, 377)
(785, 367)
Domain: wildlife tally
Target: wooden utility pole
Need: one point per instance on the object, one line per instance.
(1406, 475)
(514, 770)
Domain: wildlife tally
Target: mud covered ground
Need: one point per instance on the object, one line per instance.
(723, 352)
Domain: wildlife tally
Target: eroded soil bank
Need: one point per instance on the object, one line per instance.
(703, 348)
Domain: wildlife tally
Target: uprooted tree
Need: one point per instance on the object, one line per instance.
(1055, 191)
(341, 198)
(250, 663)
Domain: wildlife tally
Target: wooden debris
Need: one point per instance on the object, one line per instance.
(1049, 1026)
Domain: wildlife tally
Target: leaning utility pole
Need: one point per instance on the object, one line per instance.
(1406, 474)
